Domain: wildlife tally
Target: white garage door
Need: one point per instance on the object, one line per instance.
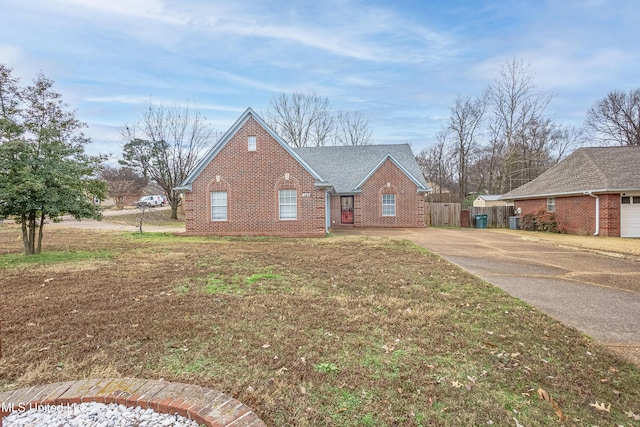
(630, 216)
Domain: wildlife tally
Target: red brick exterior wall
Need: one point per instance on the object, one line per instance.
(252, 180)
(334, 211)
(368, 204)
(610, 215)
(577, 214)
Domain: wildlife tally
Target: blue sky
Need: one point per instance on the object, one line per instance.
(400, 63)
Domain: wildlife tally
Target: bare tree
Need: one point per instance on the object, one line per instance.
(517, 106)
(165, 146)
(352, 128)
(615, 119)
(435, 164)
(302, 119)
(121, 182)
(464, 123)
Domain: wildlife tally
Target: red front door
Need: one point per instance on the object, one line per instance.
(346, 209)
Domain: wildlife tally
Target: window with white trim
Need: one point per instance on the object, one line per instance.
(388, 205)
(288, 204)
(251, 143)
(551, 204)
(218, 206)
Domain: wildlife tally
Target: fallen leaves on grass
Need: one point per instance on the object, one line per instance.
(601, 406)
(634, 417)
(545, 396)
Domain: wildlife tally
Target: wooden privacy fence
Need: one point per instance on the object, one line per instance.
(448, 215)
(497, 216)
(442, 214)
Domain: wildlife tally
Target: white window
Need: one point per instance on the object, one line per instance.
(218, 206)
(551, 204)
(251, 143)
(388, 205)
(288, 204)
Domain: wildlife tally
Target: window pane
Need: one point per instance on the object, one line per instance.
(626, 200)
(251, 143)
(218, 206)
(551, 205)
(636, 200)
(388, 205)
(288, 204)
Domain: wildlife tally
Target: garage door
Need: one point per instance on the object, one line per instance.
(630, 216)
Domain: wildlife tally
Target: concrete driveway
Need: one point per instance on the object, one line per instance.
(594, 293)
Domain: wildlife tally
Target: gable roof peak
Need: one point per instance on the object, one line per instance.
(215, 149)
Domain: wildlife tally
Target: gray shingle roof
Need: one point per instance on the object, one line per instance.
(490, 197)
(343, 168)
(346, 167)
(594, 169)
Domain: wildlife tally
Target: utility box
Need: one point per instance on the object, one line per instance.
(481, 221)
(514, 222)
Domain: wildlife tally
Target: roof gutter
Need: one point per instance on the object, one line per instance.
(589, 193)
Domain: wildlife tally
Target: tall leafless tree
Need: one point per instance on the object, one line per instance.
(464, 124)
(518, 107)
(615, 119)
(165, 145)
(352, 128)
(302, 119)
(435, 164)
(306, 120)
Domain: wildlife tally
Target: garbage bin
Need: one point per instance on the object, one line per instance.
(481, 221)
(514, 222)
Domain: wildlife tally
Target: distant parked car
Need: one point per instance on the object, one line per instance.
(150, 201)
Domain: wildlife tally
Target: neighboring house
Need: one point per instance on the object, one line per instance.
(490, 200)
(252, 183)
(592, 191)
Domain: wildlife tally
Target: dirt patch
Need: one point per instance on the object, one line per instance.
(336, 331)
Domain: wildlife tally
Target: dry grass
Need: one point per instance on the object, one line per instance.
(345, 331)
(152, 216)
(609, 245)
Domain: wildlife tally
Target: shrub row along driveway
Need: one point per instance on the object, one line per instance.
(596, 293)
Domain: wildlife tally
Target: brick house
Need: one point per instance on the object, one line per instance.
(252, 183)
(595, 190)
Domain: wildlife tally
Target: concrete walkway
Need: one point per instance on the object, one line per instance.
(592, 292)
(206, 406)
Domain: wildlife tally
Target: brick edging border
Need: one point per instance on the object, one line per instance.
(205, 406)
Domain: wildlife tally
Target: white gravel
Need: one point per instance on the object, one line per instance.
(93, 414)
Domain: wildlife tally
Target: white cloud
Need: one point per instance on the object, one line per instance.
(247, 82)
(118, 99)
(146, 9)
(357, 31)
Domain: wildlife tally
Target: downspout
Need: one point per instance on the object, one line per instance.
(327, 211)
(589, 193)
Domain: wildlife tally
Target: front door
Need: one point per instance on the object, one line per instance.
(346, 209)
